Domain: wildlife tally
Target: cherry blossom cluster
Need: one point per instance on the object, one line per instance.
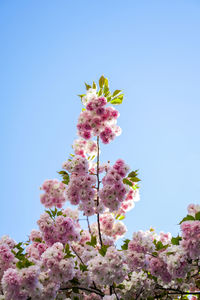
(191, 238)
(63, 229)
(21, 284)
(128, 203)
(54, 193)
(81, 186)
(7, 258)
(85, 147)
(111, 228)
(138, 247)
(97, 119)
(114, 190)
(109, 268)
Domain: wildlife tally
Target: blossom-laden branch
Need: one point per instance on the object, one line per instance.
(98, 186)
(63, 259)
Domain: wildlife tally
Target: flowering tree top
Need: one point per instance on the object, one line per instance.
(62, 260)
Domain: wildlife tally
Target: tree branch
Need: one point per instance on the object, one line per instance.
(98, 185)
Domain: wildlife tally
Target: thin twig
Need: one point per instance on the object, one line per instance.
(89, 225)
(115, 293)
(84, 289)
(78, 256)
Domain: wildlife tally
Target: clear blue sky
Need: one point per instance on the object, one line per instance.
(150, 49)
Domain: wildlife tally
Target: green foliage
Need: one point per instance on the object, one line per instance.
(120, 217)
(103, 250)
(159, 245)
(131, 179)
(65, 176)
(125, 245)
(68, 252)
(93, 241)
(83, 268)
(197, 216)
(116, 98)
(116, 92)
(176, 240)
(116, 101)
(187, 218)
(101, 81)
(87, 86)
(120, 286)
(23, 261)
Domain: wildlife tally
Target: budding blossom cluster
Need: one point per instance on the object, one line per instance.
(64, 260)
(97, 119)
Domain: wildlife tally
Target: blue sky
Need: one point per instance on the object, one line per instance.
(150, 49)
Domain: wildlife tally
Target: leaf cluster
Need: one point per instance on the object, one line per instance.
(65, 177)
(68, 252)
(191, 218)
(131, 179)
(114, 98)
(23, 261)
(54, 213)
(125, 244)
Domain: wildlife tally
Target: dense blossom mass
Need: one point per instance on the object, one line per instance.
(73, 256)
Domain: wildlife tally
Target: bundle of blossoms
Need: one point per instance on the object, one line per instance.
(65, 260)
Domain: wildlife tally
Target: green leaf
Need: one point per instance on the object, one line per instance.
(37, 240)
(106, 83)
(109, 98)
(47, 211)
(68, 252)
(93, 241)
(100, 92)
(120, 217)
(94, 86)
(62, 172)
(176, 240)
(121, 96)
(116, 92)
(81, 96)
(134, 179)
(169, 253)
(197, 216)
(116, 101)
(106, 91)
(101, 81)
(83, 268)
(128, 182)
(120, 286)
(54, 212)
(65, 175)
(25, 263)
(133, 173)
(103, 250)
(87, 86)
(159, 245)
(59, 213)
(125, 245)
(187, 218)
